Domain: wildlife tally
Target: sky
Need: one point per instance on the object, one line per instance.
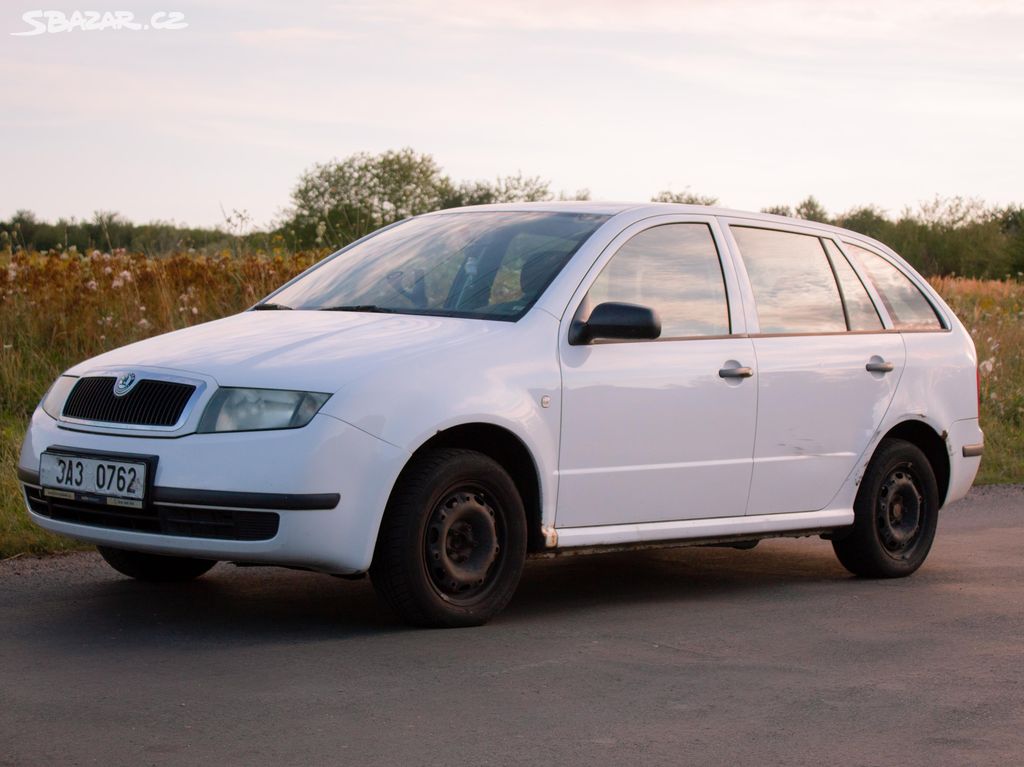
(756, 103)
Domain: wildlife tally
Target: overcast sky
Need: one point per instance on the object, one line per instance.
(757, 103)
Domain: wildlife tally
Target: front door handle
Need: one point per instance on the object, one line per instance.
(735, 372)
(879, 367)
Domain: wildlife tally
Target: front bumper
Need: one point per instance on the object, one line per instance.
(310, 497)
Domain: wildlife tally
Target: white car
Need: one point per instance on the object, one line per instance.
(455, 392)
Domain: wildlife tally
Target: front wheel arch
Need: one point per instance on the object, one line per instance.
(508, 451)
(452, 543)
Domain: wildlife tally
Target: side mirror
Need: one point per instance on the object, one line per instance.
(618, 321)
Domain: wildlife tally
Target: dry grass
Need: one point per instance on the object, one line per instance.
(993, 311)
(58, 309)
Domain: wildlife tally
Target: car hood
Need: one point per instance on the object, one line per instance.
(307, 350)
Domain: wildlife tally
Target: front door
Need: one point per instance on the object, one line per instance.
(655, 431)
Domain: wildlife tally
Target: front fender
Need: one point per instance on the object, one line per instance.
(513, 385)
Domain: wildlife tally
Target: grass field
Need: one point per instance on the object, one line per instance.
(58, 309)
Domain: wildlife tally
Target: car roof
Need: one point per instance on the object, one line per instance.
(637, 211)
(644, 209)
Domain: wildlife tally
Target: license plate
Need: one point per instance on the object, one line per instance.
(113, 481)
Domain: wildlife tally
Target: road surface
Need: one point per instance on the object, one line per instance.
(688, 656)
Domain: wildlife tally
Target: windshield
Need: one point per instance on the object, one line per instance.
(491, 265)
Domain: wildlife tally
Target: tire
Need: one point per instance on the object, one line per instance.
(895, 515)
(452, 543)
(155, 568)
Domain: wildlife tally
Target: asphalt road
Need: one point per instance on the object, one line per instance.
(688, 656)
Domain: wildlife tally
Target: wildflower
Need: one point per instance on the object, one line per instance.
(117, 282)
(108, 270)
(126, 276)
(91, 285)
(143, 323)
(195, 310)
(986, 367)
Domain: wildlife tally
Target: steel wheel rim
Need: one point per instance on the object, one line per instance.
(900, 510)
(463, 542)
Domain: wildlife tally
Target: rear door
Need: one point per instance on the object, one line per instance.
(650, 429)
(827, 367)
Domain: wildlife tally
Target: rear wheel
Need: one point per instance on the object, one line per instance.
(453, 541)
(155, 568)
(896, 514)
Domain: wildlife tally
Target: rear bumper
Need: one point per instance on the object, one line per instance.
(965, 443)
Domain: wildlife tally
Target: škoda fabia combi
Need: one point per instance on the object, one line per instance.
(458, 391)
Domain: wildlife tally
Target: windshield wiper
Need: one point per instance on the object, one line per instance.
(359, 308)
(269, 307)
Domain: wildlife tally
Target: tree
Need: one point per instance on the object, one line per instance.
(869, 220)
(954, 235)
(812, 210)
(517, 188)
(779, 210)
(340, 201)
(580, 195)
(1012, 225)
(686, 197)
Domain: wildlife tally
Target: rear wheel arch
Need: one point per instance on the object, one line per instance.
(929, 442)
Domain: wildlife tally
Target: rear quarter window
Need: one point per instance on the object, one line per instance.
(860, 310)
(907, 305)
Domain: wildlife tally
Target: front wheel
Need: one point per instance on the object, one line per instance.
(155, 568)
(452, 543)
(896, 514)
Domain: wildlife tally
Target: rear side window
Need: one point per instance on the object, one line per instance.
(675, 270)
(793, 284)
(907, 306)
(860, 310)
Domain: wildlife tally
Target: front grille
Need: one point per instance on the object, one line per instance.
(151, 402)
(185, 521)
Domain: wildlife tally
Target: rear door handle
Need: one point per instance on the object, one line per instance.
(879, 367)
(735, 372)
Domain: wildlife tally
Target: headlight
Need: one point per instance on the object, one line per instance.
(53, 400)
(259, 409)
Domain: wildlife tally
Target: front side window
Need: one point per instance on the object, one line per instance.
(491, 265)
(794, 287)
(907, 306)
(675, 270)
